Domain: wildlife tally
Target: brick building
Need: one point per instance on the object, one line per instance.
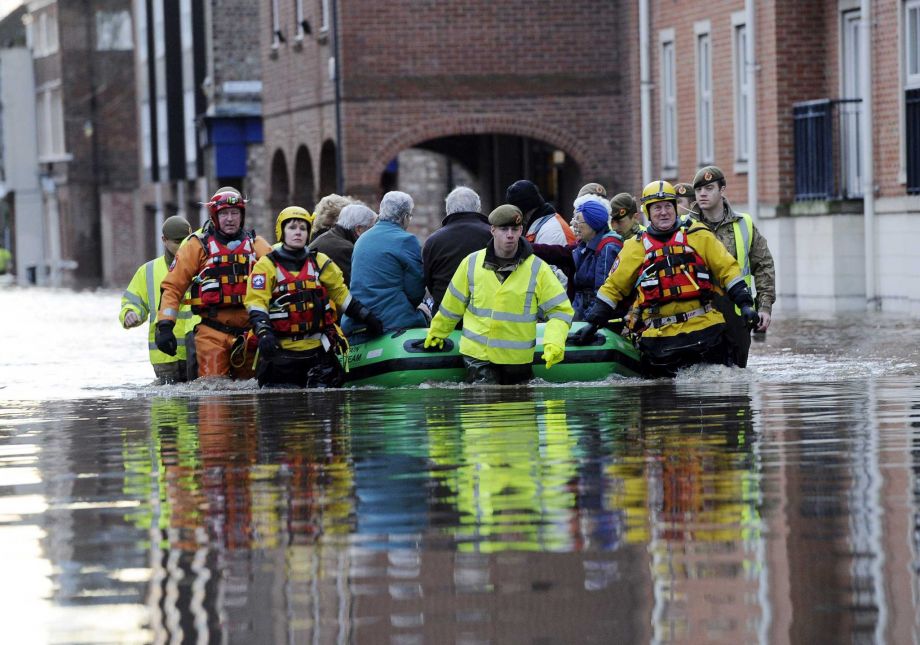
(504, 90)
(84, 83)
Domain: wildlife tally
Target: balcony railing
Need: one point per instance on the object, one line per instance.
(827, 149)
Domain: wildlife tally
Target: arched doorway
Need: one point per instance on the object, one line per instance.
(328, 176)
(304, 186)
(281, 186)
(487, 163)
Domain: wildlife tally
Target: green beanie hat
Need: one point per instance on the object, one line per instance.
(176, 228)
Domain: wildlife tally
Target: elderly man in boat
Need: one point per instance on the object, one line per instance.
(500, 292)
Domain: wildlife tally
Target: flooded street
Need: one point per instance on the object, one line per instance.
(777, 504)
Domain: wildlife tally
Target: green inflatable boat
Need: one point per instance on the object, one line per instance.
(399, 359)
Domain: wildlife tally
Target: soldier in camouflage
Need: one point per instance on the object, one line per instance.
(742, 239)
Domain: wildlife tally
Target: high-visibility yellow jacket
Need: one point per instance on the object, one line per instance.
(500, 318)
(265, 275)
(724, 270)
(143, 297)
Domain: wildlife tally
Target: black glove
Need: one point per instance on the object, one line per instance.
(165, 338)
(741, 295)
(599, 313)
(362, 314)
(584, 336)
(268, 345)
(750, 316)
(261, 323)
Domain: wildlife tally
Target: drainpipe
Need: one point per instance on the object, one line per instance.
(645, 92)
(336, 69)
(750, 53)
(873, 303)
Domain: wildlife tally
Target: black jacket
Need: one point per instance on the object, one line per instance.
(338, 243)
(460, 234)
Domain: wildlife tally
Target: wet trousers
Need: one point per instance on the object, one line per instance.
(311, 368)
(662, 357)
(484, 372)
(172, 372)
(213, 349)
(736, 332)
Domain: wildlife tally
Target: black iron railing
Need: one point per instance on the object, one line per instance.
(827, 149)
(912, 143)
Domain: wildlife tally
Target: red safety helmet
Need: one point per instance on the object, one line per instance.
(226, 197)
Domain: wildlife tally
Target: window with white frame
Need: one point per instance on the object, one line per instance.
(739, 69)
(42, 34)
(300, 20)
(912, 43)
(50, 121)
(668, 102)
(704, 118)
(113, 31)
(326, 15)
(276, 24)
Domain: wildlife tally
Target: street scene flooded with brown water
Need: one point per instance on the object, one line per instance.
(776, 504)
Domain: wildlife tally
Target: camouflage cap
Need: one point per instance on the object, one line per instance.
(506, 215)
(623, 205)
(707, 175)
(684, 190)
(592, 189)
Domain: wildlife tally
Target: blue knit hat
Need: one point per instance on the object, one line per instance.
(594, 214)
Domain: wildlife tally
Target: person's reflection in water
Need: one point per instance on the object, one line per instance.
(704, 511)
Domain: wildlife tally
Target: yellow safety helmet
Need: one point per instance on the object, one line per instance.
(289, 213)
(658, 191)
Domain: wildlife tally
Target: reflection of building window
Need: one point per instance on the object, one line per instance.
(739, 67)
(50, 122)
(668, 102)
(704, 142)
(113, 31)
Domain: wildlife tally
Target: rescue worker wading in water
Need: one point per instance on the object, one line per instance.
(290, 302)
(676, 267)
(213, 265)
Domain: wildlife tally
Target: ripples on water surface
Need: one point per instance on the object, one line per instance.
(774, 504)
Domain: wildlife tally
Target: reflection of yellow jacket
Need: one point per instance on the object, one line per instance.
(142, 297)
(500, 318)
(622, 280)
(259, 293)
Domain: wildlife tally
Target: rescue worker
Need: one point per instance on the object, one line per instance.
(464, 230)
(213, 266)
(339, 241)
(677, 268)
(624, 216)
(685, 199)
(292, 298)
(139, 303)
(595, 252)
(499, 292)
(745, 243)
(544, 224)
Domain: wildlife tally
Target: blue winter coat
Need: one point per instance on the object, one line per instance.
(386, 277)
(592, 264)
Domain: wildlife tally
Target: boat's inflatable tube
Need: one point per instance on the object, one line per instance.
(398, 359)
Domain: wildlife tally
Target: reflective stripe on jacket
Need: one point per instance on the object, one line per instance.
(142, 297)
(500, 318)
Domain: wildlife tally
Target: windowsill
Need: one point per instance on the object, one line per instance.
(57, 157)
(323, 36)
(741, 167)
(669, 173)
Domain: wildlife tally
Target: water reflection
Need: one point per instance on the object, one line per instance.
(666, 511)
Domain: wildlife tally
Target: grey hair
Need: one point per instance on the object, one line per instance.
(355, 215)
(462, 200)
(396, 206)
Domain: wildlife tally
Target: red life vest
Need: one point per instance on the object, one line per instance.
(609, 238)
(566, 229)
(300, 304)
(222, 282)
(672, 270)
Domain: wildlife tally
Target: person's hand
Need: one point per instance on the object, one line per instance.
(165, 338)
(749, 314)
(373, 324)
(432, 341)
(599, 313)
(268, 345)
(764, 321)
(584, 336)
(552, 354)
(131, 320)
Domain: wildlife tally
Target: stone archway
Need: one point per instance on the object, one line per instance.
(304, 193)
(280, 185)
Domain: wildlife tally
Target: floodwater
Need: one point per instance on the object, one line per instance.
(777, 504)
